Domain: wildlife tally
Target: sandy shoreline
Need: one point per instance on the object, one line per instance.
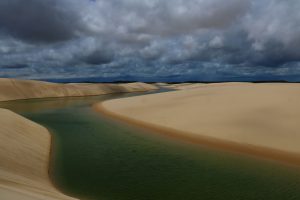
(156, 112)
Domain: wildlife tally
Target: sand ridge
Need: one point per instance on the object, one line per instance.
(13, 89)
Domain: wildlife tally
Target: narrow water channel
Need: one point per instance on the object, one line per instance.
(96, 158)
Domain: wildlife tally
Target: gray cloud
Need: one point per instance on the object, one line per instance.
(146, 37)
(39, 20)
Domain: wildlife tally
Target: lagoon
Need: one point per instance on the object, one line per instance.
(94, 157)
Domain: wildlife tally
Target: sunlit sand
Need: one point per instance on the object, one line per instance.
(260, 117)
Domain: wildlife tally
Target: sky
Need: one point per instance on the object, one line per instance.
(205, 40)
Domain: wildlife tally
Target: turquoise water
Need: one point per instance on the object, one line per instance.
(96, 158)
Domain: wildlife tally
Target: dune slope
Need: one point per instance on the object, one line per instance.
(12, 89)
(24, 160)
(256, 115)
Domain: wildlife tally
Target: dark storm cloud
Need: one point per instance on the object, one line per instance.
(98, 57)
(38, 20)
(16, 66)
(150, 37)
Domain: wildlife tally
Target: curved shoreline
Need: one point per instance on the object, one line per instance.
(26, 172)
(258, 151)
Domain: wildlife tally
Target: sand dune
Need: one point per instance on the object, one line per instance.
(24, 157)
(179, 86)
(263, 116)
(12, 89)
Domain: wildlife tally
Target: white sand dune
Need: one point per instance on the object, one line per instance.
(12, 89)
(256, 115)
(24, 160)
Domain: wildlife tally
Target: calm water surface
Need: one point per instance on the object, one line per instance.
(95, 158)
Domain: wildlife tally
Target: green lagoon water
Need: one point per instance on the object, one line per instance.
(95, 158)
